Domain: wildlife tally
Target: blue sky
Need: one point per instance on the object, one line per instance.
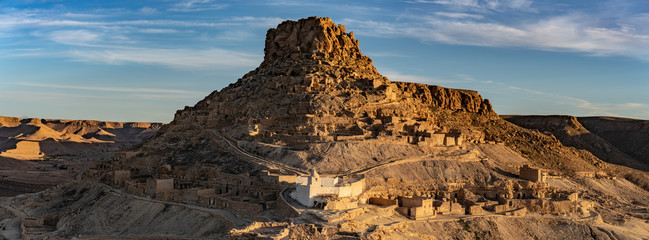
(143, 60)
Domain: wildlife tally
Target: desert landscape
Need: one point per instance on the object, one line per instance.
(40, 153)
(315, 143)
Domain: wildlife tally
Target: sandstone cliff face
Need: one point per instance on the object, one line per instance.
(446, 98)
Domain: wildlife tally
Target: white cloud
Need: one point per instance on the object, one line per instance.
(561, 104)
(459, 15)
(482, 5)
(455, 3)
(386, 54)
(169, 96)
(582, 107)
(235, 35)
(457, 79)
(511, 4)
(262, 22)
(158, 30)
(25, 52)
(575, 32)
(196, 5)
(400, 77)
(82, 15)
(111, 89)
(179, 58)
(73, 37)
(28, 20)
(148, 10)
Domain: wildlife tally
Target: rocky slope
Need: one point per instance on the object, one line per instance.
(614, 140)
(570, 131)
(314, 87)
(630, 136)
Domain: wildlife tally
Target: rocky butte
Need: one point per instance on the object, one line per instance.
(315, 143)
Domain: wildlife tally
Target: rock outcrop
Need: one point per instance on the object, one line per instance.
(315, 87)
(315, 84)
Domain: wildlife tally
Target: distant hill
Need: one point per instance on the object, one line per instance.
(616, 140)
(38, 139)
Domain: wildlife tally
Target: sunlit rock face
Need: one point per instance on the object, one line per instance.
(315, 85)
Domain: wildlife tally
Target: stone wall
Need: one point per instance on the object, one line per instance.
(155, 186)
(284, 209)
(531, 174)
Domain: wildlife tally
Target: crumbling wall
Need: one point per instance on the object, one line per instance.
(156, 186)
(382, 201)
(531, 174)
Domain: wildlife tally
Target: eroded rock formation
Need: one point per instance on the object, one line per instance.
(315, 84)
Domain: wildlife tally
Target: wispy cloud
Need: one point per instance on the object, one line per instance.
(458, 15)
(234, 35)
(400, 77)
(168, 96)
(111, 89)
(148, 10)
(178, 58)
(119, 41)
(456, 79)
(561, 104)
(73, 37)
(583, 107)
(574, 32)
(158, 30)
(25, 20)
(196, 5)
(482, 5)
(373, 54)
(25, 52)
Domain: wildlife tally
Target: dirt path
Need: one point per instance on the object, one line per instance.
(429, 157)
(257, 159)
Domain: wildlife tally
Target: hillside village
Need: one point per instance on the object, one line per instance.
(316, 144)
(292, 195)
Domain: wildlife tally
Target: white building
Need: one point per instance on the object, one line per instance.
(310, 187)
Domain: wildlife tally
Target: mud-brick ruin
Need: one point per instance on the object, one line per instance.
(250, 195)
(274, 189)
(509, 197)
